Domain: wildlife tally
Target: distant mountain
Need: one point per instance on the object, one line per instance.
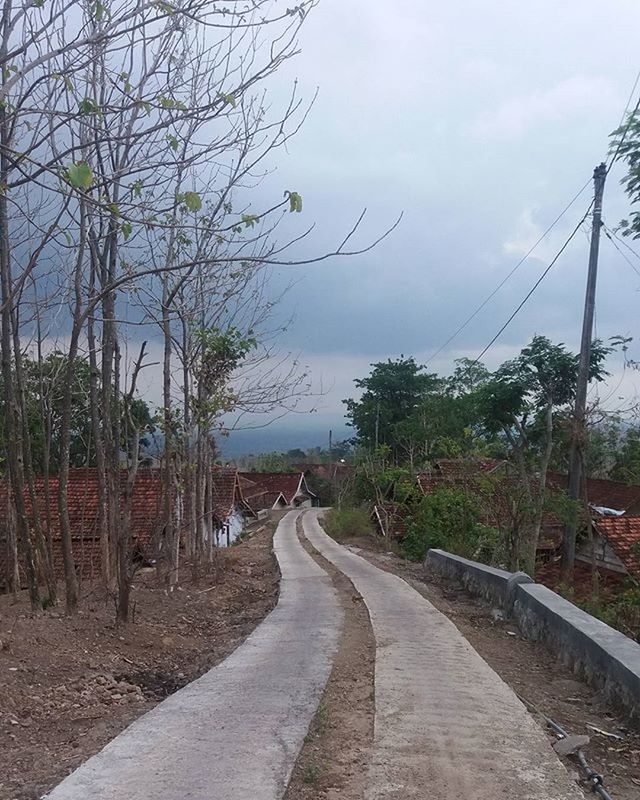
(279, 439)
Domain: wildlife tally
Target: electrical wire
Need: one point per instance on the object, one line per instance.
(614, 156)
(537, 283)
(490, 297)
(612, 238)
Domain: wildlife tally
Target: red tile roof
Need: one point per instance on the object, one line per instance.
(332, 472)
(600, 492)
(82, 500)
(274, 483)
(225, 490)
(610, 582)
(623, 535)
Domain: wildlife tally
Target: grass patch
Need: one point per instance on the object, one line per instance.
(311, 773)
(343, 522)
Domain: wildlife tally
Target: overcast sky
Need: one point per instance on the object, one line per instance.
(479, 121)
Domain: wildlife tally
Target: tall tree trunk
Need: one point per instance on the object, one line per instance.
(171, 538)
(12, 416)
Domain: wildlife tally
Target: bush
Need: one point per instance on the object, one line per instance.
(448, 519)
(346, 521)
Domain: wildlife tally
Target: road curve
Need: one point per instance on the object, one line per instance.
(236, 732)
(446, 726)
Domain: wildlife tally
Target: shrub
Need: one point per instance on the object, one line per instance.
(347, 521)
(448, 519)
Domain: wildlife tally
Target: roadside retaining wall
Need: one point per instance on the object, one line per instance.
(604, 657)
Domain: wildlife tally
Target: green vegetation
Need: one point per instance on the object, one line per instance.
(449, 519)
(407, 419)
(343, 522)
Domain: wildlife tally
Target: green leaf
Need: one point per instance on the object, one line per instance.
(126, 230)
(166, 102)
(192, 201)
(295, 201)
(87, 106)
(173, 141)
(80, 175)
(99, 11)
(250, 220)
(136, 189)
(229, 99)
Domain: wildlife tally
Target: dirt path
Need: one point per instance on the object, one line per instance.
(332, 764)
(531, 670)
(69, 685)
(446, 726)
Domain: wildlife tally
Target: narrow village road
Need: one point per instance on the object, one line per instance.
(235, 733)
(446, 726)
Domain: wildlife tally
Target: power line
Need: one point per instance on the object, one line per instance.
(612, 161)
(625, 243)
(509, 275)
(610, 236)
(536, 284)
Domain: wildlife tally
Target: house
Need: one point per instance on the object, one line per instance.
(229, 509)
(615, 545)
(82, 501)
(257, 498)
(607, 498)
(226, 513)
(277, 489)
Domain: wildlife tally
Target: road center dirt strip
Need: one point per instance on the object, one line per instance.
(446, 726)
(235, 733)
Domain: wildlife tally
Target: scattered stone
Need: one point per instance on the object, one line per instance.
(570, 744)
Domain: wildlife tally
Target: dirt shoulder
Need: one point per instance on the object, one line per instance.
(532, 671)
(333, 761)
(68, 685)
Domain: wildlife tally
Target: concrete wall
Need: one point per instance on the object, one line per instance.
(596, 652)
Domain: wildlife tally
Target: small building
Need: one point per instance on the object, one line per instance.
(229, 510)
(277, 489)
(82, 502)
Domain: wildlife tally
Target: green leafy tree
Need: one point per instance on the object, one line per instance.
(520, 402)
(625, 141)
(391, 393)
(626, 465)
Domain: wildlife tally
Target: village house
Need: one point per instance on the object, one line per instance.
(614, 544)
(226, 516)
(273, 490)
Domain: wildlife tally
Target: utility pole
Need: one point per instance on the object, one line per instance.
(330, 446)
(579, 412)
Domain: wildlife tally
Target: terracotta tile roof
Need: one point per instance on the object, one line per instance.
(623, 535)
(332, 472)
(226, 491)
(82, 500)
(610, 582)
(273, 483)
(600, 492)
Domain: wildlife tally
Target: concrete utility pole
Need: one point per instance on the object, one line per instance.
(579, 412)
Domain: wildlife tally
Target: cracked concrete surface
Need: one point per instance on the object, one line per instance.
(236, 732)
(446, 725)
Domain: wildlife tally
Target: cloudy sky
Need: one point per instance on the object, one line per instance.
(479, 121)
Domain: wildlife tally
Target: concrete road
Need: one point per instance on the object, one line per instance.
(235, 733)
(446, 726)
